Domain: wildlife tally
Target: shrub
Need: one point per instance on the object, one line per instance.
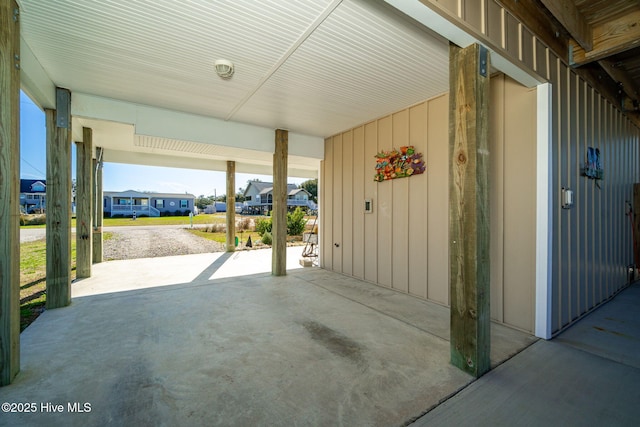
(263, 225)
(295, 222)
(35, 219)
(244, 224)
(266, 238)
(216, 228)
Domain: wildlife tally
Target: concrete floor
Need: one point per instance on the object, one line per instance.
(587, 376)
(185, 341)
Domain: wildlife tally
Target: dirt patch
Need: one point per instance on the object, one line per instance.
(152, 242)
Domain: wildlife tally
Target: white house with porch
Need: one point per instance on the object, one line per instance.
(259, 197)
(125, 203)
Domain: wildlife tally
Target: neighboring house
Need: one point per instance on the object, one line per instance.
(259, 197)
(125, 203)
(221, 207)
(33, 195)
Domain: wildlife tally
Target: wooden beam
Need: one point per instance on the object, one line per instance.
(84, 202)
(279, 213)
(98, 207)
(9, 191)
(58, 212)
(609, 38)
(569, 16)
(231, 206)
(621, 77)
(469, 208)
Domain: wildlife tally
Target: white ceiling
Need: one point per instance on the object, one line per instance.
(314, 67)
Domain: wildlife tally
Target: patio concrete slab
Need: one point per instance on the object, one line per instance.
(587, 376)
(204, 347)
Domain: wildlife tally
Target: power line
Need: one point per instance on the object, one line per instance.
(35, 168)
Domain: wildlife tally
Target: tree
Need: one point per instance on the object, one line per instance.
(240, 195)
(202, 201)
(311, 186)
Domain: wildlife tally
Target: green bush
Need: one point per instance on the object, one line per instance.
(263, 225)
(267, 239)
(296, 222)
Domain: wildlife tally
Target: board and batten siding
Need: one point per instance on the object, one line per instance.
(403, 244)
(592, 241)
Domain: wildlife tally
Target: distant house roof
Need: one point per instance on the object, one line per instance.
(267, 187)
(26, 185)
(133, 193)
(298, 190)
(259, 185)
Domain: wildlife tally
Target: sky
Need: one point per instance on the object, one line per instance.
(118, 176)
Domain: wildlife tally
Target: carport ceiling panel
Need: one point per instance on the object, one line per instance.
(174, 147)
(362, 62)
(161, 53)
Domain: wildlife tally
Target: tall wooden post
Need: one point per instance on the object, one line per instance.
(84, 202)
(98, 206)
(231, 206)
(279, 214)
(58, 206)
(469, 208)
(9, 191)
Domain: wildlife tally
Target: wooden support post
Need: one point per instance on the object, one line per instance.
(98, 207)
(469, 208)
(58, 208)
(279, 213)
(9, 191)
(84, 202)
(231, 206)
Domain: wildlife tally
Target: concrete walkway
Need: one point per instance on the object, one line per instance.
(185, 341)
(588, 376)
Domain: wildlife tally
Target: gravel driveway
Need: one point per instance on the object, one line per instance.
(149, 242)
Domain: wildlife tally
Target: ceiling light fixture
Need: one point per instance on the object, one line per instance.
(224, 68)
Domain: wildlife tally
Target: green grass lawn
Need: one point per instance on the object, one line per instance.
(217, 218)
(222, 237)
(202, 219)
(33, 272)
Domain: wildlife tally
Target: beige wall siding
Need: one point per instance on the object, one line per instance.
(404, 242)
(357, 202)
(338, 216)
(418, 210)
(370, 192)
(384, 204)
(513, 202)
(437, 175)
(401, 199)
(391, 245)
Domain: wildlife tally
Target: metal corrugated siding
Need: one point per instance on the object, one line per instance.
(592, 241)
